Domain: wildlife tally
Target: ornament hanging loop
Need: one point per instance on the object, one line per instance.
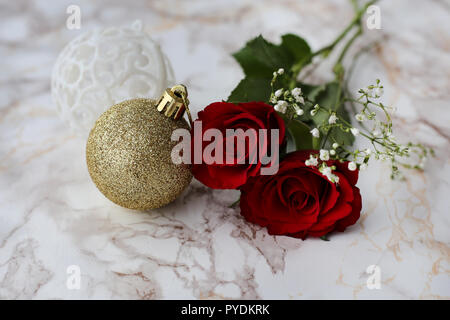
(174, 102)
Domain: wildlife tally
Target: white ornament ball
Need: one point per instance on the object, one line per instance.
(106, 66)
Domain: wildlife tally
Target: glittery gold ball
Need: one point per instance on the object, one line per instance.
(128, 155)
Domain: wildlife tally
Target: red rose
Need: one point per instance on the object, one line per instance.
(299, 201)
(222, 116)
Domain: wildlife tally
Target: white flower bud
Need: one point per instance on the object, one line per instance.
(299, 111)
(324, 155)
(335, 145)
(278, 93)
(312, 161)
(300, 99)
(351, 166)
(280, 71)
(326, 171)
(332, 152)
(332, 119)
(281, 106)
(296, 92)
(354, 131)
(315, 133)
(360, 117)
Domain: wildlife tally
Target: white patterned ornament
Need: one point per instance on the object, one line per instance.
(106, 66)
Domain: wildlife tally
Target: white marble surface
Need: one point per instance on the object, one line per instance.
(52, 216)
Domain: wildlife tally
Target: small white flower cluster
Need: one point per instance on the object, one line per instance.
(373, 91)
(327, 171)
(359, 154)
(312, 161)
(290, 101)
(382, 131)
(379, 133)
(298, 95)
(383, 143)
(323, 167)
(281, 106)
(332, 121)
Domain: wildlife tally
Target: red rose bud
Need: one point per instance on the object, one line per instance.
(234, 142)
(299, 201)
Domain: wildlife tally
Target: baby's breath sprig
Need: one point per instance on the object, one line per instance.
(376, 129)
(384, 145)
(285, 101)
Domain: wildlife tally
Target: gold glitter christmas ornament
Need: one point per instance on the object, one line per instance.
(128, 151)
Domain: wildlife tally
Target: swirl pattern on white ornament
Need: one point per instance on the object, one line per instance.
(106, 66)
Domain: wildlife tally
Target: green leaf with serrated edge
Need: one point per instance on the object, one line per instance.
(300, 135)
(297, 46)
(310, 92)
(260, 58)
(251, 89)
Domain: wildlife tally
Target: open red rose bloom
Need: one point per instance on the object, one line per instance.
(222, 116)
(299, 201)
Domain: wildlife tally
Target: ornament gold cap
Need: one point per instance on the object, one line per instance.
(174, 102)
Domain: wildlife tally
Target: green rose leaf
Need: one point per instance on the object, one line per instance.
(297, 47)
(251, 89)
(260, 58)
